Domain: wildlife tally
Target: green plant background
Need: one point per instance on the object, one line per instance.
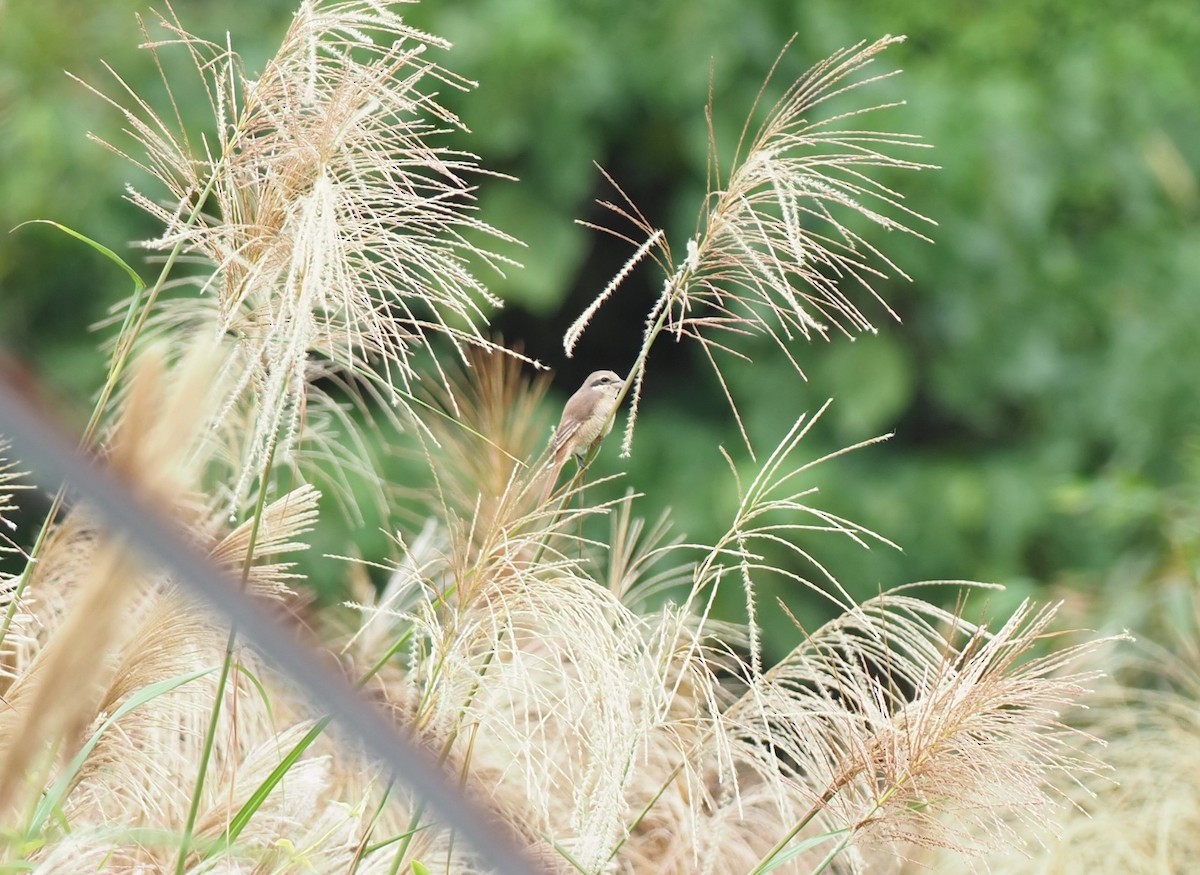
(1042, 387)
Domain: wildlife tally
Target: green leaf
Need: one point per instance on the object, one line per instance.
(53, 797)
(99, 247)
(418, 868)
(259, 796)
(786, 856)
(262, 691)
(566, 855)
(396, 838)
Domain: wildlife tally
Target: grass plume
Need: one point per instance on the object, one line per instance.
(335, 232)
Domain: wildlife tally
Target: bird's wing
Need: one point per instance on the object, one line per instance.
(579, 407)
(562, 435)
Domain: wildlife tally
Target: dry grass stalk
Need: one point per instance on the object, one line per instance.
(50, 699)
(895, 723)
(11, 482)
(103, 631)
(903, 723)
(776, 241)
(1142, 814)
(487, 429)
(14, 618)
(338, 241)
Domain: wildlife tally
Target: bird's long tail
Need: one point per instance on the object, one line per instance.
(549, 477)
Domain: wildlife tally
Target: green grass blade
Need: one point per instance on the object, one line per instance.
(259, 796)
(58, 790)
(399, 837)
(138, 283)
(566, 855)
(646, 810)
(786, 856)
(262, 691)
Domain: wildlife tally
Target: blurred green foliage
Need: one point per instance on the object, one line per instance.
(1042, 387)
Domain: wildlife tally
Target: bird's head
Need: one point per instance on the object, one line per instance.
(607, 382)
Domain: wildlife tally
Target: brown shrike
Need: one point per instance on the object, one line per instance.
(585, 420)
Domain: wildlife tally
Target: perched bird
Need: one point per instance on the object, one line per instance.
(585, 420)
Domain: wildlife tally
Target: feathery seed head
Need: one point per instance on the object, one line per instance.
(335, 233)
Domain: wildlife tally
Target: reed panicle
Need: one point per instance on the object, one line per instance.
(1137, 814)
(337, 236)
(14, 618)
(10, 484)
(777, 240)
